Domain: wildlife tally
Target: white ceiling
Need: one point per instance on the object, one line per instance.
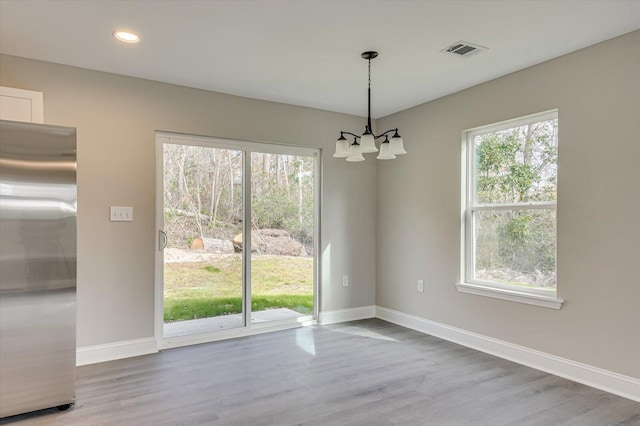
(308, 52)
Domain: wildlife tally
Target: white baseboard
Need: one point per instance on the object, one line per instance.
(350, 314)
(130, 348)
(117, 350)
(605, 380)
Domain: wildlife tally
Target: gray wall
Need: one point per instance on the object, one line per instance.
(116, 117)
(597, 92)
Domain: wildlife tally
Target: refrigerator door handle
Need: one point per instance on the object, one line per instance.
(162, 240)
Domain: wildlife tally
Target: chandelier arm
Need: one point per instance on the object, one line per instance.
(351, 134)
(385, 133)
(375, 136)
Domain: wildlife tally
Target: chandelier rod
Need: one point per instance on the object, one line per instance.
(369, 56)
(369, 97)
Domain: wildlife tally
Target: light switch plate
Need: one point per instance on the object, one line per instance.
(121, 214)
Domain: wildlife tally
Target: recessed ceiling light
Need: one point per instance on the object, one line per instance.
(126, 36)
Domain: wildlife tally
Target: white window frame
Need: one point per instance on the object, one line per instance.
(467, 284)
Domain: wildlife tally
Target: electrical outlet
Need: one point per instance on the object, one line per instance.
(121, 214)
(345, 281)
(420, 286)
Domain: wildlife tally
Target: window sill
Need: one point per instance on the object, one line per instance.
(511, 295)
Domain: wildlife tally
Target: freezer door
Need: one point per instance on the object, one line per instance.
(37, 351)
(37, 266)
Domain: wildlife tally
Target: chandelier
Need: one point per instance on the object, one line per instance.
(366, 142)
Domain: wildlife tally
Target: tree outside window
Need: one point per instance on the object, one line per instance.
(510, 216)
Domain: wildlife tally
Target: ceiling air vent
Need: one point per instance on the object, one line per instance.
(462, 48)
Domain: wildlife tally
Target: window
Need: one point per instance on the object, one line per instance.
(509, 244)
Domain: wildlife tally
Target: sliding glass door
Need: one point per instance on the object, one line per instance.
(237, 235)
(202, 212)
(282, 239)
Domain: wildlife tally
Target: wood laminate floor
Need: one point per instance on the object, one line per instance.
(360, 373)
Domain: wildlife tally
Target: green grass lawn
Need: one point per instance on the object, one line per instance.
(202, 290)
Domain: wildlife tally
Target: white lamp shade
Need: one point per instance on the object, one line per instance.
(342, 148)
(355, 154)
(368, 143)
(385, 152)
(397, 146)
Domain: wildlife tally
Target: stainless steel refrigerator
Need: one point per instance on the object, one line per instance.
(37, 267)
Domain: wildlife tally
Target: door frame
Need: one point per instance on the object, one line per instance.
(247, 148)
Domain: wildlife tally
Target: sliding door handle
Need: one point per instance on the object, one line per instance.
(162, 240)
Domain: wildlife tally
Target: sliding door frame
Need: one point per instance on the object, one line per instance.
(247, 149)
